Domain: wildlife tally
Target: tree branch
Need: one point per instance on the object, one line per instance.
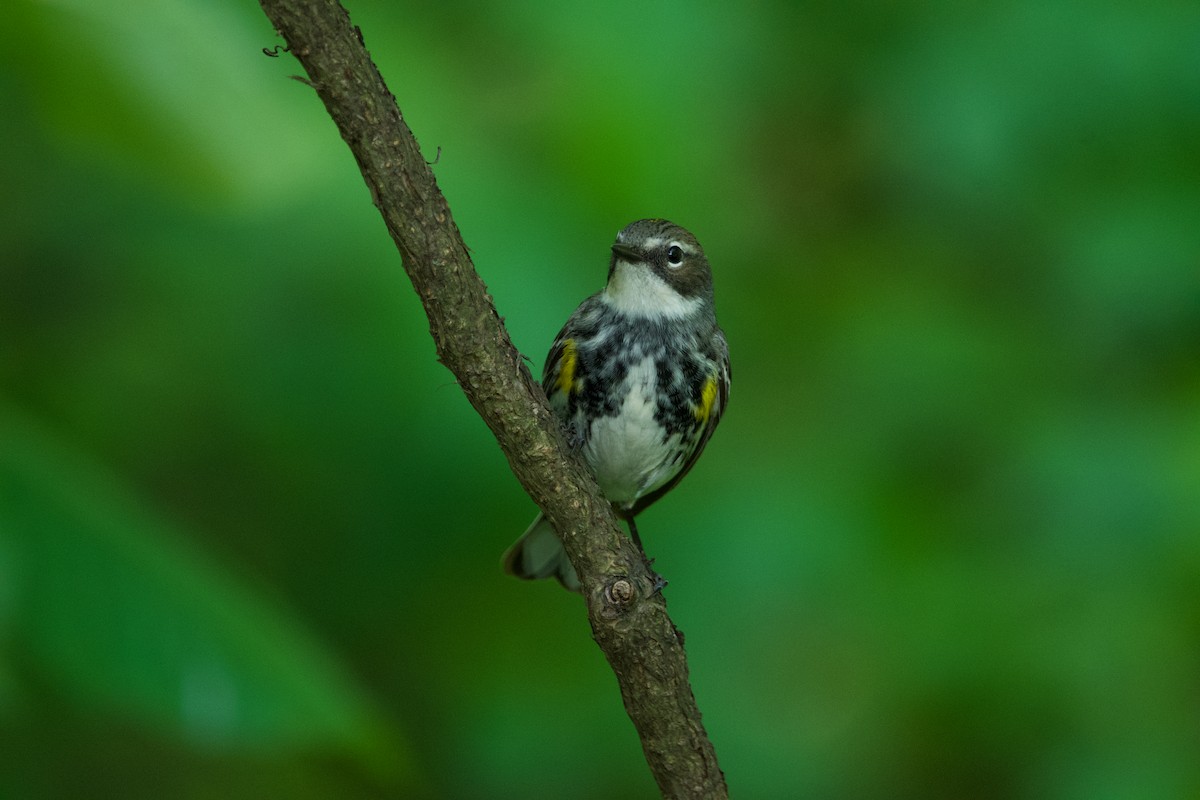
(629, 621)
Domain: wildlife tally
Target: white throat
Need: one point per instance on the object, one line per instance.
(636, 291)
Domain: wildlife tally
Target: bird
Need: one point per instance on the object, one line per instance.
(639, 377)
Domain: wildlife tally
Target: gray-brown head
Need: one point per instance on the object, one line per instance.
(658, 269)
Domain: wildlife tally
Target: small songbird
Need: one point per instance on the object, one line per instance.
(639, 376)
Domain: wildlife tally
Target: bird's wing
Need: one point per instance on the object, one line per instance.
(714, 396)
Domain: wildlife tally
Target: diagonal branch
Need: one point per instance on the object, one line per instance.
(628, 620)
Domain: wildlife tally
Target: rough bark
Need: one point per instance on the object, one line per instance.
(629, 621)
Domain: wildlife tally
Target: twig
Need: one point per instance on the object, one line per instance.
(629, 621)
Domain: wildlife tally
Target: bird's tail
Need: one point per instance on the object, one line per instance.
(539, 554)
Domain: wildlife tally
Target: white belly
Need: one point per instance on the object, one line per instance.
(627, 452)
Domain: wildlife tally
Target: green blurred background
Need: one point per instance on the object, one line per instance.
(946, 543)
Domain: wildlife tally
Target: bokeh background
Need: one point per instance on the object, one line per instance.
(946, 543)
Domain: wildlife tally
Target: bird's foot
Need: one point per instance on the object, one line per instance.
(657, 582)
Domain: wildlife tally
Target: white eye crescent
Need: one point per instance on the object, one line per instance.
(675, 255)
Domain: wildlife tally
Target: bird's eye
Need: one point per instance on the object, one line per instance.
(674, 255)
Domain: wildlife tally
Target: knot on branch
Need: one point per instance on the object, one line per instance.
(619, 595)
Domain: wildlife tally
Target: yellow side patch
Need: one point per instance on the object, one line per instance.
(566, 368)
(708, 396)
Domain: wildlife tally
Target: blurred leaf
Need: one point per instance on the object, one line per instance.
(164, 91)
(127, 618)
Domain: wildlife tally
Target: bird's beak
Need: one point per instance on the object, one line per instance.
(626, 253)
